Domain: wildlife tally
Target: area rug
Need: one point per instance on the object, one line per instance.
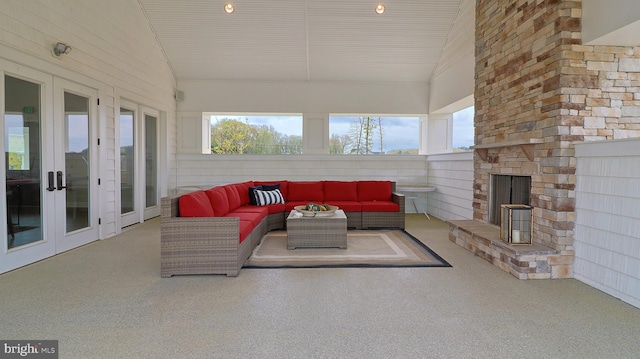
(365, 248)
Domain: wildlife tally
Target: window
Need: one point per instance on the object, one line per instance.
(385, 135)
(463, 130)
(256, 134)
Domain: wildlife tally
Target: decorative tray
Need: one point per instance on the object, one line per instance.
(319, 210)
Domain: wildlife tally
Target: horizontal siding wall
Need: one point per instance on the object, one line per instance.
(452, 175)
(208, 170)
(607, 234)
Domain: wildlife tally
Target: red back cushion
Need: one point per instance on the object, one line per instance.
(374, 190)
(243, 191)
(306, 191)
(195, 204)
(219, 201)
(233, 196)
(340, 191)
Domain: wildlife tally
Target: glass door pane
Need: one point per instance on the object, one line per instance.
(151, 161)
(77, 161)
(127, 161)
(75, 147)
(22, 166)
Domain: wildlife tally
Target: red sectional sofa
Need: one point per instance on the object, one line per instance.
(213, 231)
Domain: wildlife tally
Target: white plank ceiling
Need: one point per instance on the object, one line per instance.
(303, 40)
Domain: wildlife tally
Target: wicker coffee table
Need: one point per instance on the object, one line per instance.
(317, 232)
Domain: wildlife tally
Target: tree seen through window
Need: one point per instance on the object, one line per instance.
(278, 135)
(380, 135)
(256, 135)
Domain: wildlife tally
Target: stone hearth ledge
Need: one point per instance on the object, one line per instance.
(527, 146)
(522, 261)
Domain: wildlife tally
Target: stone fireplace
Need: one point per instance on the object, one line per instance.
(523, 113)
(538, 91)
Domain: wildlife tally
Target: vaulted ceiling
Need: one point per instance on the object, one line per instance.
(303, 40)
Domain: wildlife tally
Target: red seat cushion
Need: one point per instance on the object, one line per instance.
(245, 229)
(379, 206)
(275, 208)
(340, 191)
(262, 211)
(219, 201)
(374, 191)
(347, 206)
(195, 204)
(254, 218)
(233, 196)
(306, 191)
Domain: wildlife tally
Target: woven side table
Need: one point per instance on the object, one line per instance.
(317, 232)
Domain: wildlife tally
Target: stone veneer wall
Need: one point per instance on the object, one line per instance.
(536, 84)
(611, 111)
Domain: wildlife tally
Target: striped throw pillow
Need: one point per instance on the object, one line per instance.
(264, 198)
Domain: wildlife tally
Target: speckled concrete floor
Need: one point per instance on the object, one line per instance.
(107, 300)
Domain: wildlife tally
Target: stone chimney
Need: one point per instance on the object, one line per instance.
(538, 90)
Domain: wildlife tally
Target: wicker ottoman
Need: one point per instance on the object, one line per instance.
(317, 232)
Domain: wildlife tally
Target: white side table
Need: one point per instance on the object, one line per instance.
(412, 194)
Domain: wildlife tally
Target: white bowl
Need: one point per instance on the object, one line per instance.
(330, 212)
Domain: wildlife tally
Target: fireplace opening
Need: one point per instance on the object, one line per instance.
(506, 189)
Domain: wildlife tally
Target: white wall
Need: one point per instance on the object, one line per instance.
(611, 22)
(607, 233)
(454, 78)
(112, 45)
(440, 133)
(452, 85)
(304, 97)
(204, 170)
(452, 175)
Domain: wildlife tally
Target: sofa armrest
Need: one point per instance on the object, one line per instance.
(199, 245)
(196, 228)
(399, 199)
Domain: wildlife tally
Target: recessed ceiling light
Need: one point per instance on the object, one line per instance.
(228, 7)
(379, 9)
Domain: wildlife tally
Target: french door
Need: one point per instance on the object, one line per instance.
(129, 128)
(49, 135)
(151, 162)
(75, 172)
(139, 189)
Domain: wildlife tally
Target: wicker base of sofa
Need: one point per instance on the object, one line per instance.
(354, 220)
(190, 258)
(275, 221)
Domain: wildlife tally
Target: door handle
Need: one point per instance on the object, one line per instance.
(51, 188)
(59, 181)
